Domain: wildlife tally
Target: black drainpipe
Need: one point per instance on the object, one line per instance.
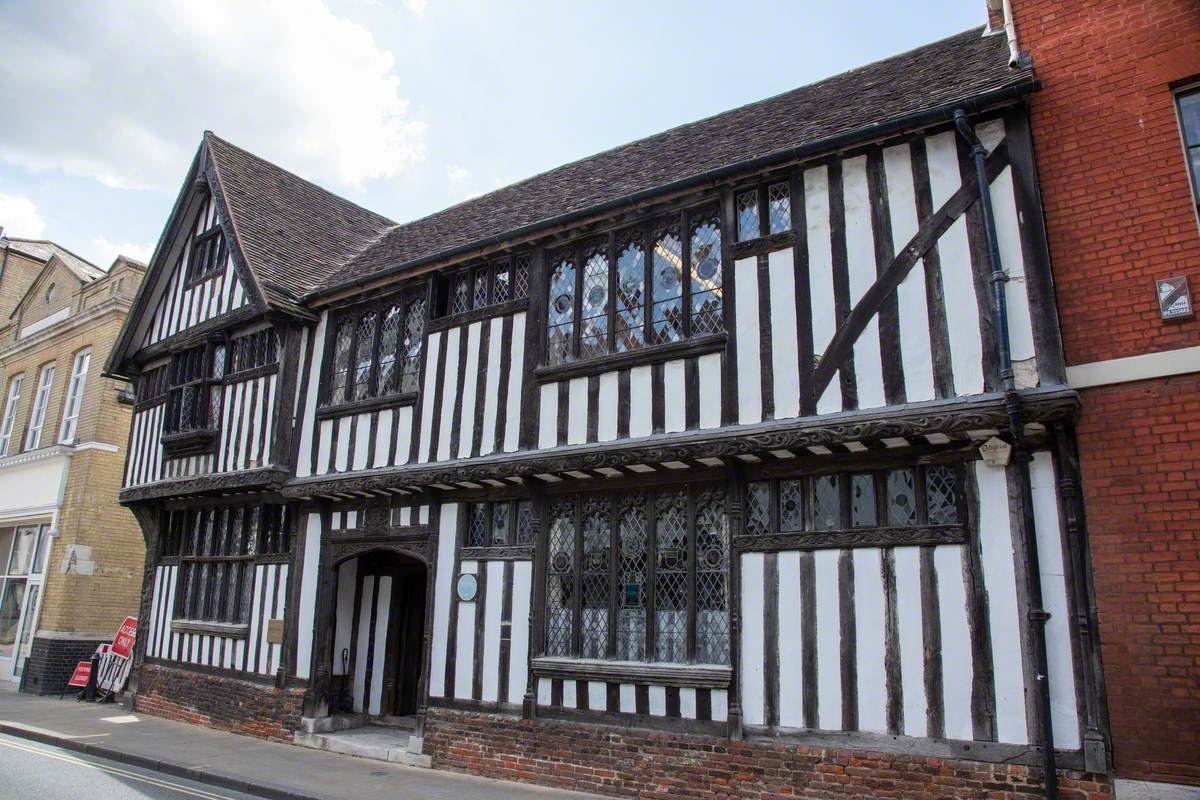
(1021, 455)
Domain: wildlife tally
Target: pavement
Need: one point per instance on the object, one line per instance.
(239, 763)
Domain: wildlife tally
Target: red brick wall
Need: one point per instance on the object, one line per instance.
(219, 702)
(1119, 213)
(635, 763)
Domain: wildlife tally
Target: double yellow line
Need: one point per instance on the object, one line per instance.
(124, 773)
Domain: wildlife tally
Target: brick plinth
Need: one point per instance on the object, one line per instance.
(51, 662)
(635, 763)
(219, 702)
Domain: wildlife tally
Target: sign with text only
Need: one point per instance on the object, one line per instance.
(122, 643)
(79, 678)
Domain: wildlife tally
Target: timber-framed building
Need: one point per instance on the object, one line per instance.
(731, 442)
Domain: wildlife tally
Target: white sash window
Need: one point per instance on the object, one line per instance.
(10, 412)
(33, 439)
(70, 422)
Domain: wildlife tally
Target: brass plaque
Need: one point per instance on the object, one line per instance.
(274, 631)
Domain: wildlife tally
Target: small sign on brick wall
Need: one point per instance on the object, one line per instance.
(1174, 298)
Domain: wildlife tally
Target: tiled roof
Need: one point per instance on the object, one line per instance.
(301, 240)
(937, 75)
(292, 232)
(42, 250)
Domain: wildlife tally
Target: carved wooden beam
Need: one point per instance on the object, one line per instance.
(842, 343)
(265, 479)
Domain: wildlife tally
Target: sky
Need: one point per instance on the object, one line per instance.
(402, 106)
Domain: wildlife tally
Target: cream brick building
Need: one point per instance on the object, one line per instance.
(70, 557)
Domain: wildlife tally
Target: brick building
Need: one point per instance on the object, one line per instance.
(1116, 129)
(70, 557)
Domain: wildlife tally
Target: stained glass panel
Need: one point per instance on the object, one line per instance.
(631, 298)
(706, 278)
(666, 319)
(863, 512)
(791, 505)
(901, 497)
(941, 494)
(747, 216)
(560, 313)
(593, 330)
(560, 579)
(758, 508)
(670, 577)
(631, 600)
(712, 568)
(779, 208)
(827, 503)
(597, 532)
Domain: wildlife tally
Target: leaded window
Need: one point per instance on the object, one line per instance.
(639, 576)
(484, 285)
(253, 350)
(653, 284)
(187, 406)
(763, 211)
(376, 350)
(498, 523)
(217, 547)
(905, 497)
(208, 255)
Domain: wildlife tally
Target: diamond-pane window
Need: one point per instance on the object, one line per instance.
(941, 494)
(901, 497)
(670, 581)
(706, 278)
(362, 368)
(631, 298)
(596, 549)
(758, 508)
(476, 525)
(666, 318)
(791, 505)
(341, 361)
(593, 331)
(480, 297)
(500, 289)
(827, 503)
(747, 216)
(414, 331)
(460, 293)
(561, 310)
(560, 579)
(712, 569)
(389, 340)
(779, 208)
(631, 601)
(499, 524)
(524, 522)
(521, 276)
(862, 501)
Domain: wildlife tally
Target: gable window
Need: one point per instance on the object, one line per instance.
(208, 255)
(763, 211)
(376, 350)
(49, 293)
(484, 285)
(652, 284)
(639, 576)
(1189, 120)
(70, 420)
(10, 412)
(217, 548)
(893, 500)
(33, 437)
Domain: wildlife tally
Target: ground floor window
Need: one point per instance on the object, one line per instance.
(23, 552)
(217, 547)
(639, 575)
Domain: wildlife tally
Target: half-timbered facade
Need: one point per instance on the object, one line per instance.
(750, 430)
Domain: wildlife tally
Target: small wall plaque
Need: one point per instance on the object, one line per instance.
(468, 586)
(274, 631)
(1174, 298)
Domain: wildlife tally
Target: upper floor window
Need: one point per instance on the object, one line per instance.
(484, 285)
(499, 524)
(70, 421)
(153, 383)
(376, 350)
(251, 351)
(10, 412)
(639, 576)
(188, 402)
(910, 497)
(763, 211)
(41, 400)
(208, 255)
(1189, 118)
(217, 548)
(649, 285)
(49, 293)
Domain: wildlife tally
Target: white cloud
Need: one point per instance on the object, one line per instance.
(417, 6)
(121, 92)
(19, 217)
(102, 252)
(457, 174)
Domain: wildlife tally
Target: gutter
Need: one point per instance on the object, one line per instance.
(1037, 614)
(925, 118)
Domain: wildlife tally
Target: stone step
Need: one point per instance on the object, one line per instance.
(373, 741)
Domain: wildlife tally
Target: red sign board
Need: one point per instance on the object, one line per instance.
(122, 643)
(83, 671)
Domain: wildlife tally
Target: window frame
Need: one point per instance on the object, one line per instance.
(762, 191)
(353, 315)
(1193, 170)
(514, 544)
(682, 224)
(12, 404)
(39, 407)
(618, 501)
(516, 266)
(73, 403)
(199, 245)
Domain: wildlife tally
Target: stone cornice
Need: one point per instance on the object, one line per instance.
(110, 306)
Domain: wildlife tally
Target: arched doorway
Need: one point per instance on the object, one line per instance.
(378, 634)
